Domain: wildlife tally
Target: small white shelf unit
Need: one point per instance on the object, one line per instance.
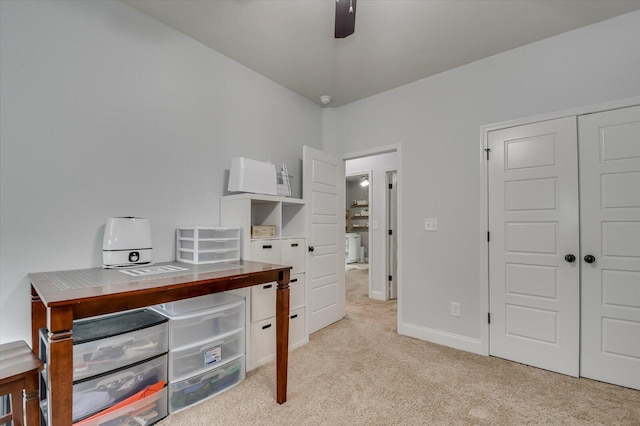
(288, 247)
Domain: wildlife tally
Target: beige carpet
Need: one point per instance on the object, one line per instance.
(359, 371)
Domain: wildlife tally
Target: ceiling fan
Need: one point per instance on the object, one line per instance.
(345, 18)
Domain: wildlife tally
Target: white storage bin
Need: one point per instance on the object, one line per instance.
(296, 292)
(192, 390)
(263, 297)
(191, 360)
(204, 325)
(194, 304)
(293, 254)
(267, 251)
(207, 245)
(263, 336)
(146, 411)
(107, 343)
(263, 301)
(98, 393)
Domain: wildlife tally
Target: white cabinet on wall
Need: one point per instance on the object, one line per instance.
(286, 247)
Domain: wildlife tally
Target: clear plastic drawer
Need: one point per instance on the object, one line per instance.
(209, 301)
(95, 394)
(203, 356)
(204, 325)
(107, 343)
(192, 390)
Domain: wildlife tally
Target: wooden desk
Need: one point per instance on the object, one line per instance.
(58, 298)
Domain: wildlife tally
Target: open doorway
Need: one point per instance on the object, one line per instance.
(367, 220)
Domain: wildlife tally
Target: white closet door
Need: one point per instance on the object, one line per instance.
(610, 228)
(533, 222)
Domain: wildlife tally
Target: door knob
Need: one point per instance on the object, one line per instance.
(311, 249)
(589, 258)
(570, 258)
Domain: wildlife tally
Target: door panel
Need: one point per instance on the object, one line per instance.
(610, 229)
(324, 192)
(533, 208)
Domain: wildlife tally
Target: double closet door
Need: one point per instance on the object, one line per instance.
(564, 250)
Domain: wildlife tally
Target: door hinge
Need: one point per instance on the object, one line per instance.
(390, 231)
(488, 236)
(390, 186)
(390, 278)
(487, 150)
(489, 317)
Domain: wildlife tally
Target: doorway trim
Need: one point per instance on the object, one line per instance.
(484, 192)
(385, 149)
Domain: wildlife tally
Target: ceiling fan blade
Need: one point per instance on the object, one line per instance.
(345, 18)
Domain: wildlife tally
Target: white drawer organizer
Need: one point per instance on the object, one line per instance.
(288, 247)
(207, 245)
(206, 347)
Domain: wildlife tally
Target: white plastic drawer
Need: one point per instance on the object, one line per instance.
(98, 393)
(231, 244)
(294, 254)
(192, 390)
(204, 325)
(209, 301)
(296, 292)
(194, 359)
(268, 251)
(263, 301)
(145, 411)
(93, 355)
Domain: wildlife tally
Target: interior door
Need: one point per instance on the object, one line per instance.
(610, 229)
(323, 191)
(533, 224)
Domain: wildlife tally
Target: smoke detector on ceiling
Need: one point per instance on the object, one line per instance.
(325, 99)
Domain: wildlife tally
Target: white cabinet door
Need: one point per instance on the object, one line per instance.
(610, 229)
(533, 223)
(323, 190)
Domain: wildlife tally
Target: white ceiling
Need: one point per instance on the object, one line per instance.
(395, 42)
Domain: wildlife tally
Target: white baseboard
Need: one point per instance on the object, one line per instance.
(442, 338)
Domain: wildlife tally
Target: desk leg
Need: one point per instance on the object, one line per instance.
(60, 366)
(31, 400)
(282, 336)
(38, 320)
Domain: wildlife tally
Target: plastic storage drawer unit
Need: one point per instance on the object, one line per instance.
(192, 390)
(106, 343)
(204, 325)
(192, 360)
(98, 393)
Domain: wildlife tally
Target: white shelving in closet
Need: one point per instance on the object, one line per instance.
(286, 247)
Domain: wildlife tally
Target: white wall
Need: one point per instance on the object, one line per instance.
(377, 165)
(106, 112)
(437, 120)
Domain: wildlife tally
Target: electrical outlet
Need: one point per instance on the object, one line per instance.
(431, 224)
(455, 309)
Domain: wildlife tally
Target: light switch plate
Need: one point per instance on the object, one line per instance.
(431, 224)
